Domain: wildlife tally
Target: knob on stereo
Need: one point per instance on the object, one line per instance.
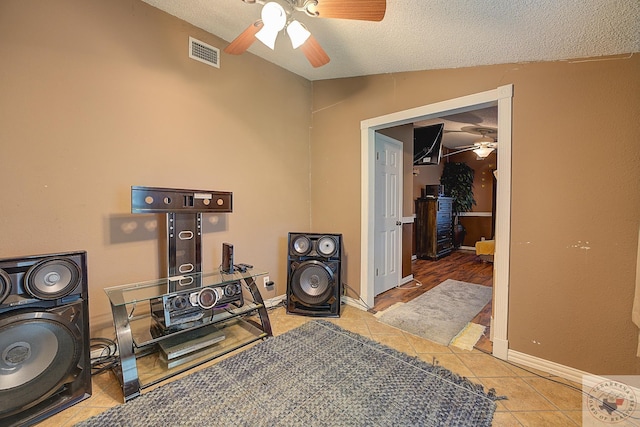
(180, 302)
(207, 298)
(232, 289)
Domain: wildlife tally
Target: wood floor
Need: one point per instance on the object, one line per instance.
(460, 265)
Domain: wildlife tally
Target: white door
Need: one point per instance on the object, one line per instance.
(388, 204)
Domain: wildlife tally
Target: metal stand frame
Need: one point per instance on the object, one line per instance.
(183, 209)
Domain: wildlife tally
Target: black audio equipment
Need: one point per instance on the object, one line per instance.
(183, 209)
(45, 363)
(182, 308)
(227, 258)
(313, 274)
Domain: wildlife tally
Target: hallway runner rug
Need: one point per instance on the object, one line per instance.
(440, 313)
(315, 375)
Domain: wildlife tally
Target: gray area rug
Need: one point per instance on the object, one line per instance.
(315, 375)
(440, 313)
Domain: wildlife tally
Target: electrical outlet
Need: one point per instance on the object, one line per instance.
(265, 280)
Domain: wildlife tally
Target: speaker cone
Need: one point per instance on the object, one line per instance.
(327, 246)
(312, 282)
(5, 285)
(52, 278)
(208, 297)
(38, 351)
(301, 245)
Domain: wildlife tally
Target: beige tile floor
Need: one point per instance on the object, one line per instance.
(532, 400)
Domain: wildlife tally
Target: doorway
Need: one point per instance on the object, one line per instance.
(500, 97)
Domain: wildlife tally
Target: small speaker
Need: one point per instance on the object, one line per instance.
(313, 277)
(45, 364)
(227, 258)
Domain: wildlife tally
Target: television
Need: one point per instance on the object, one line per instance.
(427, 144)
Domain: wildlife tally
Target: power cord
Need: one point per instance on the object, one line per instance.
(107, 358)
(282, 303)
(417, 285)
(359, 297)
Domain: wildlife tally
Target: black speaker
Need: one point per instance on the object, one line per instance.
(45, 362)
(313, 274)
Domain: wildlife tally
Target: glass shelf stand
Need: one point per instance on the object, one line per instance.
(140, 337)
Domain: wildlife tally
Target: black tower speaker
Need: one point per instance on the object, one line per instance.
(313, 274)
(45, 363)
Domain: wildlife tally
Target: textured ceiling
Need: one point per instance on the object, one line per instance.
(435, 34)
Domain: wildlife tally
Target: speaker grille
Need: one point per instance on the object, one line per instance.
(312, 282)
(38, 351)
(301, 245)
(52, 278)
(5, 285)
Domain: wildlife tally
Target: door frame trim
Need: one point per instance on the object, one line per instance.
(502, 97)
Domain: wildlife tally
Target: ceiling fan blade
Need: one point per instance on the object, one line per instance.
(364, 10)
(459, 151)
(241, 43)
(314, 52)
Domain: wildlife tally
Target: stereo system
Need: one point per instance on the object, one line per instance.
(187, 300)
(182, 308)
(45, 363)
(313, 274)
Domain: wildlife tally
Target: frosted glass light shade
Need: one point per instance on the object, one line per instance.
(483, 151)
(268, 37)
(274, 19)
(297, 33)
(273, 16)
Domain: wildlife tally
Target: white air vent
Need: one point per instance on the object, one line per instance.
(202, 52)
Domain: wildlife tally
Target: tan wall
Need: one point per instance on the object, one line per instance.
(98, 96)
(576, 198)
(478, 227)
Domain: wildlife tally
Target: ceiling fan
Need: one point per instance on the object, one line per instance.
(279, 15)
(483, 146)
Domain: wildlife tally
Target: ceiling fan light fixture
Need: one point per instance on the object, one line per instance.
(273, 16)
(297, 33)
(483, 151)
(484, 140)
(268, 37)
(274, 19)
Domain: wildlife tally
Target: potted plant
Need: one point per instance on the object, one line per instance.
(457, 179)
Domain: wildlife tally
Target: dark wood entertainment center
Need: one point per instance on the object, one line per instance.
(434, 227)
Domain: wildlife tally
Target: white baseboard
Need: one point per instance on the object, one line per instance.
(407, 279)
(566, 372)
(500, 348)
(354, 303)
(272, 302)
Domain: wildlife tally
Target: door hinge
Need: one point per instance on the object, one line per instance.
(377, 272)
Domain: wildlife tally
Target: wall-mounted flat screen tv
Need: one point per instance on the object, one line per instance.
(427, 144)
